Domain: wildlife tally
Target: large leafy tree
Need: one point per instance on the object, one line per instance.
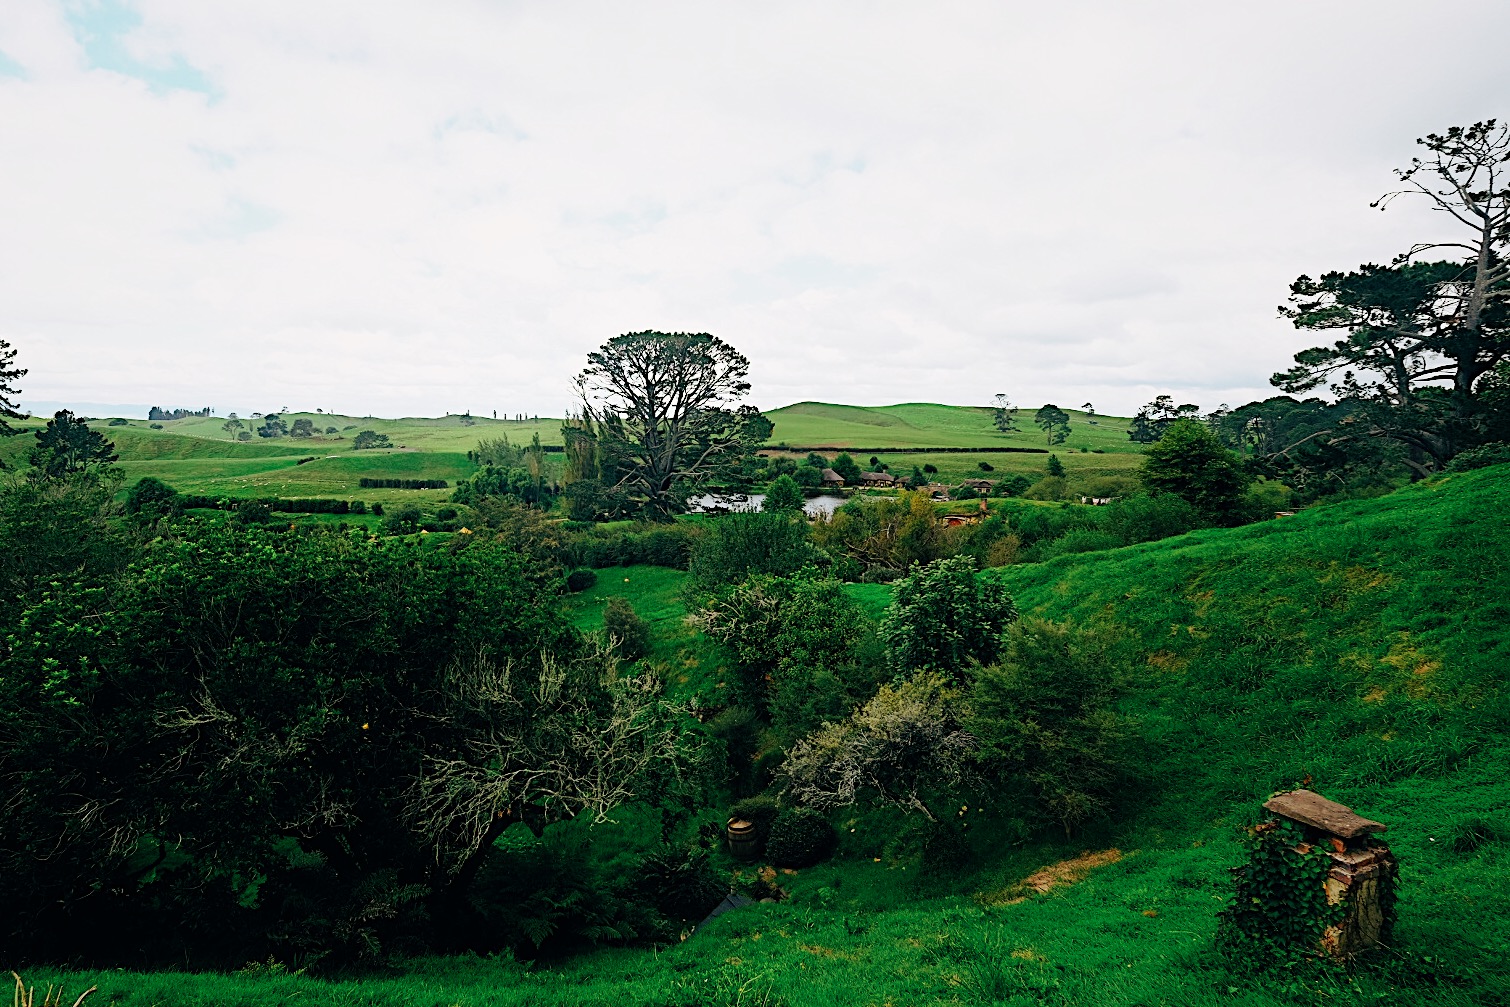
(1190, 461)
(1419, 335)
(1054, 422)
(1153, 419)
(1004, 414)
(66, 446)
(9, 374)
(661, 409)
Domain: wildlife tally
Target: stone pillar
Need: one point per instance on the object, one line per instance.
(1362, 873)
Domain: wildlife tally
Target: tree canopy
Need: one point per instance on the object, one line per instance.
(9, 374)
(67, 446)
(1054, 422)
(1190, 461)
(1420, 336)
(661, 409)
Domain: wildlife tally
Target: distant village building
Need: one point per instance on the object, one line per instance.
(877, 479)
(979, 485)
(832, 478)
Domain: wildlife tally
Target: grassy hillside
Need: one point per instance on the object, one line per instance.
(195, 455)
(930, 425)
(1359, 646)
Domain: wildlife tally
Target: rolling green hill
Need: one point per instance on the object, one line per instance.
(928, 425)
(1358, 646)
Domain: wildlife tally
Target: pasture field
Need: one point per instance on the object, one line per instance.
(196, 455)
(1359, 646)
(930, 425)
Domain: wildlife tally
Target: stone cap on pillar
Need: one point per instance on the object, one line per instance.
(1310, 808)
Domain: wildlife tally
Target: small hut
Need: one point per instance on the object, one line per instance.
(877, 479)
(832, 479)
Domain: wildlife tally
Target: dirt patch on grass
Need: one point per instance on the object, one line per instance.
(1046, 879)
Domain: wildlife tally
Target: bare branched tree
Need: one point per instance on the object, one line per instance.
(536, 743)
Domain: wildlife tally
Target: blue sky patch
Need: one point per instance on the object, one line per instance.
(101, 27)
(10, 68)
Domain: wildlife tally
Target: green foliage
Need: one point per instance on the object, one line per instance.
(799, 644)
(760, 811)
(1189, 461)
(800, 837)
(658, 409)
(736, 546)
(944, 618)
(847, 468)
(666, 545)
(66, 446)
(681, 883)
(152, 499)
(1004, 415)
(783, 495)
(1043, 714)
(903, 748)
(1055, 467)
(9, 374)
(403, 520)
(367, 439)
(1497, 453)
(338, 656)
(625, 630)
(1279, 903)
(1054, 422)
(580, 580)
(878, 537)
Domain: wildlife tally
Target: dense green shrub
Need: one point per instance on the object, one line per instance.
(1497, 453)
(623, 625)
(1144, 517)
(152, 498)
(668, 545)
(800, 837)
(404, 521)
(737, 545)
(783, 495)
(1079, 540)
(580, 580)
(1042, 715)
(943, 617)
(1190, 461)
(798, 644)
(681, 883)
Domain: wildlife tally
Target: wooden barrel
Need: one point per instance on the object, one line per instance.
(744, 844)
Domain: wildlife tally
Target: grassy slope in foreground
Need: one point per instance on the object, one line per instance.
(1361, 644)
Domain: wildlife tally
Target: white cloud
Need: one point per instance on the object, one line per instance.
(401, 209)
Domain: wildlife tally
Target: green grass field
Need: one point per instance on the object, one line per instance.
(930, 425)
(195, 455)
(1359, 645)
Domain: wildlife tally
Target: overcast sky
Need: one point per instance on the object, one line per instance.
(413, 208)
